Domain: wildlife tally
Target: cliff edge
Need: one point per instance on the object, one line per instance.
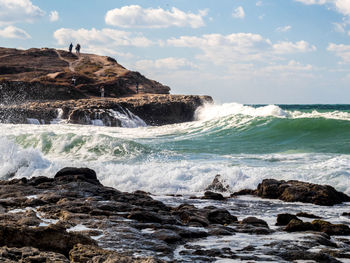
(37, 87)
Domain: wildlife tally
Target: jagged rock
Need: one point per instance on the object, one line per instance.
(296, 191)
(218, 185)
(296, 225)
(284, 219)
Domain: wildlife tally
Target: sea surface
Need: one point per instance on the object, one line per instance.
(242, 143)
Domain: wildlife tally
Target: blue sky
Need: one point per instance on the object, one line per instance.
(247, 51)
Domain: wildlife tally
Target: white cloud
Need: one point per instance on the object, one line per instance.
(340, 50)
(238, 13)
(239, 47)
(259, 3)
(313, 2)
(342, 6)
(169, 63)
(283, 29)
(105, 37)
(136, 16)
(14, 32)
(285, 47)
(14, 11)
(290, 68)
(54, 16)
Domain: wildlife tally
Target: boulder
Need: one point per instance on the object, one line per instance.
(213, 196)
(220, 216)
(84, 174)
(284, 219)
(297, 191)
(255, 222)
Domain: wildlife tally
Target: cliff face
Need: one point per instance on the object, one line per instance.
(152, 109)
(39, 74)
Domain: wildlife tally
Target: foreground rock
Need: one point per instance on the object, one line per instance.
(74, 218)
(297, 191)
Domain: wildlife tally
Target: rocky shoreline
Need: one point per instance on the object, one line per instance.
(153, 109)
(74, 218)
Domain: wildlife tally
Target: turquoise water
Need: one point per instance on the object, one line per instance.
(244, 144)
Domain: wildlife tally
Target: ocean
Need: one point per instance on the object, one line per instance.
(242, 143)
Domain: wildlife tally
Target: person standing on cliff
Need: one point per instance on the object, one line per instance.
(102, 90)
(74, 80)
(77, 49)
(70, 47)
(137, 87)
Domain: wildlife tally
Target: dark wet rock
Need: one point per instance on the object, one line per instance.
(29, 255)
(74, 174)
(323, 239)
(213, 196)
(306, 255)
(307, 215)
(145, 217)
(220, 216)
(244, 192)
(255, 222)
(284, 219)
(251, 229)
(218, 185)
(51, 238)
(221, 231)
(297, 191)
(167, 235)
(346, 214)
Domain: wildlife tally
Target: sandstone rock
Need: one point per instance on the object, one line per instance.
(284, 219)
(296, 191)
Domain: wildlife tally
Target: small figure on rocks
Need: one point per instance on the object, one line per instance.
(70, 47)
(74, 80)
(102, 90)
(77, 49)
(137, 87)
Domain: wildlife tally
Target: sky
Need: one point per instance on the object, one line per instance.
(245, 51)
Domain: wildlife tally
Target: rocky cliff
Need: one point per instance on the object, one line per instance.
(36, 84)
(47, 74)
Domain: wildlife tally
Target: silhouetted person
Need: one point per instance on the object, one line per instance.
(74, 80)
(137, 88)
(102, 90)
(77, 49)
(70, 48)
